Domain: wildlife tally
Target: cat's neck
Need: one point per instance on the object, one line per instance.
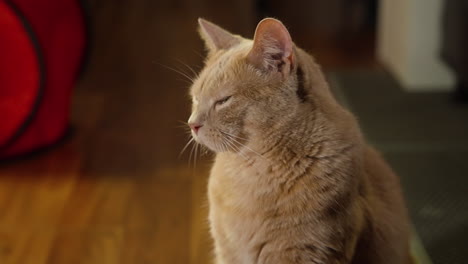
(293, 136)
(308, 135)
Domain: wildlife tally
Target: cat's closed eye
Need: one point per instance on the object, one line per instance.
(222, 101)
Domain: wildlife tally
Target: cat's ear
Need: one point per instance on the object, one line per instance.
(215, 37)
(272, 48)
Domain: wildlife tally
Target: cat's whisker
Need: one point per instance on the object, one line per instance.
(187, 74)
(236, 148)
(191, 153)
(219, 146)
(232, 135)
(248, 148)
(183, 122)
(188, 67)
(186, 146)
(242, 145)
(199, 54)
(177, 71)
(228, 140)
(195, 158)
(186, 129)
(227, 146)
(237, 137)
(197, 155)
(240, 152)
(205, 150)
(185, 126)
(216, 146)
(182, 72)
(185, 81)
(230, 143)
(223, 147)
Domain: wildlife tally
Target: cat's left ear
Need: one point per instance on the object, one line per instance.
(215, 37)
(272, 48)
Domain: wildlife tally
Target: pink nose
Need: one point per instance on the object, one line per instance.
(195, 127)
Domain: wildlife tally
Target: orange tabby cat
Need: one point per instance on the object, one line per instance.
(293, 180)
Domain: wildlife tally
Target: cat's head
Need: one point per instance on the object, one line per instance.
(246, 89)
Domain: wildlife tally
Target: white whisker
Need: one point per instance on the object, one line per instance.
(223, 146)
(191, 152)
(237, 137)
(233, 138)
(236, 148)
(188, 67)
(195, 157)
(186, 146)
(205, 150)
(177, 71)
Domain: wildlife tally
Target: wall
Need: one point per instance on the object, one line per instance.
(408, 43)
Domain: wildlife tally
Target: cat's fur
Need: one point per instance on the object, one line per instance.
(293, 180)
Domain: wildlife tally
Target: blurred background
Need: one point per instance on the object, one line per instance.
(104, 105)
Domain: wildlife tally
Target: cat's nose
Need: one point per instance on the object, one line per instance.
(195, 127)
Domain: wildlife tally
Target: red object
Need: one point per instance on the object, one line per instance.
(42, 44)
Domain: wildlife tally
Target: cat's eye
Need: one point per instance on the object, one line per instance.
(222, 101)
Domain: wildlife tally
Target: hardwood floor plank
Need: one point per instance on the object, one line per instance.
(200, 243)
(37, 247)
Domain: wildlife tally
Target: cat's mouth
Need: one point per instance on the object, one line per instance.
(212, 143)
(219, 141)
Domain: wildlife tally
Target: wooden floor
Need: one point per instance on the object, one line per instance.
(117, 192)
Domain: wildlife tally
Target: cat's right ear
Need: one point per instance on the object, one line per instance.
(215, 37)
(272, 47)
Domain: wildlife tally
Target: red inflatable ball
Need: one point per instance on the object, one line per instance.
(42, 44)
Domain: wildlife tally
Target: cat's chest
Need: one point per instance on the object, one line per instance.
(240, 187)
(232, 183)
(237, 210)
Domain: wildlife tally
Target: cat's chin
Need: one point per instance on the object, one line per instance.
(212, 146)
(216, 146)
(221, 150)
(205, 144)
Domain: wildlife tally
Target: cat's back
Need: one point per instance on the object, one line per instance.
(387, 234)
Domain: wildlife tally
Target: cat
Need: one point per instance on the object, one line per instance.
(293, 180)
